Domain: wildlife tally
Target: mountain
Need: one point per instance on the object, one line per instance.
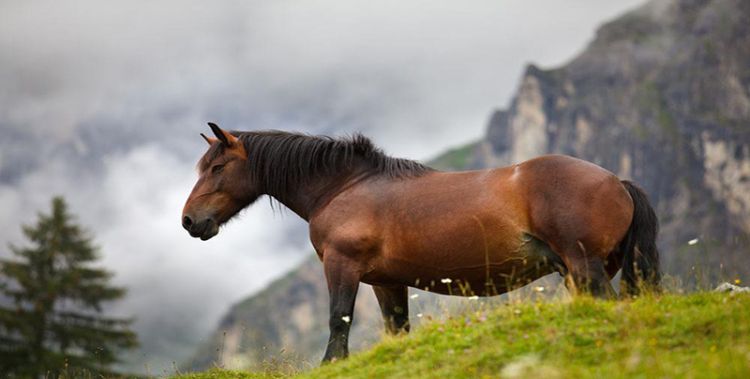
(660, 96)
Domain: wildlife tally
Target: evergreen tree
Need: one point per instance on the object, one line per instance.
(51, 323)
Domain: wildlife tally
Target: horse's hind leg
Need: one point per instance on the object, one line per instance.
(587, 274)
(394, 305)
(613, 263)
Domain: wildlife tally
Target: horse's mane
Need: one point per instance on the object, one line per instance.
(279, 161)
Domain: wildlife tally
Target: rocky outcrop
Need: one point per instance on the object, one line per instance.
(662, 97)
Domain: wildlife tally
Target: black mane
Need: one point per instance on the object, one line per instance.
(280, 161)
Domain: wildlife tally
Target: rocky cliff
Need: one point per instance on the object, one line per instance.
(660, 96)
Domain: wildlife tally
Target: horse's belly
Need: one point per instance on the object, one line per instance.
(477, 271)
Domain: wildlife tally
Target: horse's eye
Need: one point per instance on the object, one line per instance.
(217, 168)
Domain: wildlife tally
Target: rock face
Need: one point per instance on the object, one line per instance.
(661, 96)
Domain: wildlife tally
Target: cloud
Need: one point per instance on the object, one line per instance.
(102, 103)
(391, 68)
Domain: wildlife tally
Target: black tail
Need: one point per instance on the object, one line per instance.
(640, 263)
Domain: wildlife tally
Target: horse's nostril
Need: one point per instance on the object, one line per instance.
(187, 222)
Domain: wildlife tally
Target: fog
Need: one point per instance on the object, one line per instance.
(102, 102)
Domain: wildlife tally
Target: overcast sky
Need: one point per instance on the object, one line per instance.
(129, 85)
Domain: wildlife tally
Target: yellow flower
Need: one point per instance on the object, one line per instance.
(737, 281)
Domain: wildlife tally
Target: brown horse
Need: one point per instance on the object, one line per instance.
(394, 223)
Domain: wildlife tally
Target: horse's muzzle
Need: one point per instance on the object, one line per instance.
(204, 229)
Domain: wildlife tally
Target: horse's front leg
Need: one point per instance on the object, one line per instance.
(394, 305)
(343, 281)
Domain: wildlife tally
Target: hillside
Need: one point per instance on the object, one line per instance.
(660, 96)
(703, 335)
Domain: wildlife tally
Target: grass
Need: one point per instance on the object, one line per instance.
(227, 374)
(702, 335)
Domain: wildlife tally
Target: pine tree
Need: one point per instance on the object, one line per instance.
(53, 323)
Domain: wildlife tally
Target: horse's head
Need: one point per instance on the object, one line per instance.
(224, 186)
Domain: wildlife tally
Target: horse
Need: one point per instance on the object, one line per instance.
(396, 223)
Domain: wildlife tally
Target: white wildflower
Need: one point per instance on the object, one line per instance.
(419, 315)
(475, 297)
(446, 280)
(693, 241)
(346, 319)
(539, 288)
(416, 295)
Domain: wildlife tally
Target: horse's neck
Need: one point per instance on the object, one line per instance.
(311, 196)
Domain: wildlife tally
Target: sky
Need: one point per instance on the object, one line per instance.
(102, 102)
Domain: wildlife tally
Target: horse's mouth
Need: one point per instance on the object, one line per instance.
(206, 231)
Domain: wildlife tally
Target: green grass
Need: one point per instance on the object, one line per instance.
(226, 374)
(703, 335)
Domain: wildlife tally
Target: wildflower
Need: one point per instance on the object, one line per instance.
(539, 288)
(419, 315)
(475, 297)
(693, 241)
(346, 319)
(737, 281)
(517, 311)
(416, 295)
(446, 280)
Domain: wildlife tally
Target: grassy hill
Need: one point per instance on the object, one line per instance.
(702, 335)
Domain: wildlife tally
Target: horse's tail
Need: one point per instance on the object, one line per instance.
(640, 263)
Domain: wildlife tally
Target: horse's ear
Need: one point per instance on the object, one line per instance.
(208, 139)
(225, 137)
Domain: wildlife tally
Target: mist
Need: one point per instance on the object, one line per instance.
(103, 103)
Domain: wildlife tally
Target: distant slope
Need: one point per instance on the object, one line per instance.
(284, 321)
(704, 335)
